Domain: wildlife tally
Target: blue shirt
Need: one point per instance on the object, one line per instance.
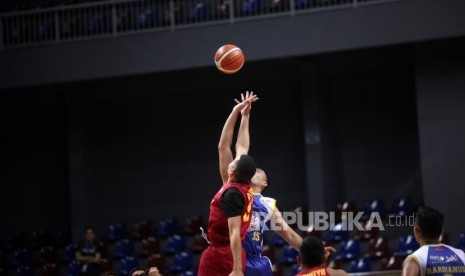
(262, 208)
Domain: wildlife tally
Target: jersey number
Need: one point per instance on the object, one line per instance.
(256, 236)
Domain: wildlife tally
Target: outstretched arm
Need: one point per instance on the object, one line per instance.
(285, 231)
(243, 137)
(224, 146)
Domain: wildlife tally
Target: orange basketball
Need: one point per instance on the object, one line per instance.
(229, 59)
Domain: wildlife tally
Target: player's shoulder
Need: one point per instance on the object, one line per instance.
(336, 272)
(269, 202)
(457, 251)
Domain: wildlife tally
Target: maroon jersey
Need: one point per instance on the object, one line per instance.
(314, 271)
(218, 231)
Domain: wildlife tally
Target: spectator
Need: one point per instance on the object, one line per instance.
(88, 255)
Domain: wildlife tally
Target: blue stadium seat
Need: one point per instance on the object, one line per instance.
(337, 234)
(127, 264)
(250, 7)
(15, 241)
(406, 246)
(62, 237)
(402, 207)
(373, 206)
(360, 265)
(123, 248)
(199, 11)
(21, 257)
(74, 269)
(116, 232)
(167, 227)
(175, 244)
(182, 261)
(146, 18)
(188, 273)
(40, 238)
(96, 23)
(289, 256)
(69, 254)
(302, 4)
(24, 271)
(462, 241)
(349, 250)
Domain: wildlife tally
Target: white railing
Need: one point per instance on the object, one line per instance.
(122, 17)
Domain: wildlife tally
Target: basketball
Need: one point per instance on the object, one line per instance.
(229, 59)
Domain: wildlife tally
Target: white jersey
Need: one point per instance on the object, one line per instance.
(440, 259)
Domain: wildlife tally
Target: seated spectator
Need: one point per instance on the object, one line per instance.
(313, 258)
(87, 254)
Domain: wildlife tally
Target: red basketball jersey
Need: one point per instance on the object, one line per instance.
(314, 271)
(218, 231)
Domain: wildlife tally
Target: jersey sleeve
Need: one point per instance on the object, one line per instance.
(270, 204)
(232, 202)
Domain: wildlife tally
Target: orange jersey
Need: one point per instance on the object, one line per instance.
(314, 271)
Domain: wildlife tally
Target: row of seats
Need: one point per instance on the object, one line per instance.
(40, 238)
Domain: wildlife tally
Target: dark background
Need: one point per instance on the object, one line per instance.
(370, 112)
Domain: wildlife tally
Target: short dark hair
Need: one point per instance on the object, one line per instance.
(245, 169)
(137, 269)
(91, 228)
(312, 252)
(430, 221)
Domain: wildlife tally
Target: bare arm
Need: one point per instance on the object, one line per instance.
(285, 231)
(234, 225)
(336, 272)
(410, 267)
(243, 137)
(87, 259)
(224, 146)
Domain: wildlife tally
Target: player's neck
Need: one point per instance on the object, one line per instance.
(429, 242)
(256, 190)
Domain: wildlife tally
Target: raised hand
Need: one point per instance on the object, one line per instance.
(246, 104)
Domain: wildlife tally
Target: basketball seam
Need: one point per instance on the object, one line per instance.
(230, 71)
(218, 63)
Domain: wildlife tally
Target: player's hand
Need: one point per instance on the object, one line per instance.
(246, 104)
(154, 271)
(328, 251)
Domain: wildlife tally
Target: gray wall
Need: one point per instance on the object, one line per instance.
(367, 128)
(303, 34)
(440, 82)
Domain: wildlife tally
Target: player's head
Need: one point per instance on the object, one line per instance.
(312, 252)
(242, 169)
(90, 234)
(428, 225)
(138, 271)
(260, 180)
